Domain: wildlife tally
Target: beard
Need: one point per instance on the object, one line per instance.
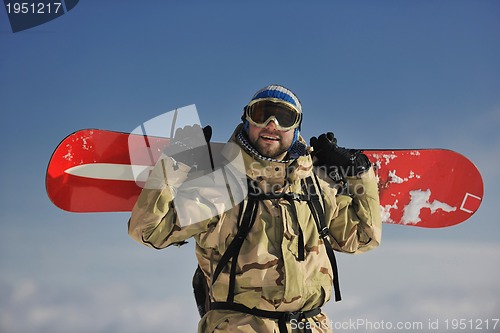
(272, 144)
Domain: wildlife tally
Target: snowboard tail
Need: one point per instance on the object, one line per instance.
(92, 170)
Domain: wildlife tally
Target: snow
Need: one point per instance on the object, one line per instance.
(413, 175)
(85, 145)
(419, 200)
(385, 211)
(393, 178)
(386, 157)
(69, 155)
(85, 142)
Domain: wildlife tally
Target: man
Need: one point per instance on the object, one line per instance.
(267, 262)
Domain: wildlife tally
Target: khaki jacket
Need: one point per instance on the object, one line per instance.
(269, 275)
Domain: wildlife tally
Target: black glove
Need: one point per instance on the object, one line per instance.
(347, 162)
(189, 145)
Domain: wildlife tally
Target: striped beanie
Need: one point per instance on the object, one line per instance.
(276, 91)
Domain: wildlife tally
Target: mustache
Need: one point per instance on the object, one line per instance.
(270, 133)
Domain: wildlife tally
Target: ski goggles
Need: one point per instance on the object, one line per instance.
(284, 115)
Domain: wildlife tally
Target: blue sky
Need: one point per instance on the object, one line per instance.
(380, 74)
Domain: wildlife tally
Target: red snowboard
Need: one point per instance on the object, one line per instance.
(91, 171)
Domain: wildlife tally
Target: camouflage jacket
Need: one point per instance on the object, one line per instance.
(172, 208)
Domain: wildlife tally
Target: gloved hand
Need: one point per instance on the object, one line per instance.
(348, 162)
(189, 145)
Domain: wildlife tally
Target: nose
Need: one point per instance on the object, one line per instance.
(271, 124)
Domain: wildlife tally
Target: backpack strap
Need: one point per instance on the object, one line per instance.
(247, 220)
(245, 224)
(318, 214)
(282, 317)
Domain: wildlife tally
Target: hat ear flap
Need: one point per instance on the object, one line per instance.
(244, 120)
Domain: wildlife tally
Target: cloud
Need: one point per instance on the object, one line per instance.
(412, 281)
(420, 282)
(31, 307)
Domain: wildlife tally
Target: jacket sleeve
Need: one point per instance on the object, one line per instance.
(355, 219)
(155, 221)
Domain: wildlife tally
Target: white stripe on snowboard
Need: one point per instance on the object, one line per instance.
(111, 171)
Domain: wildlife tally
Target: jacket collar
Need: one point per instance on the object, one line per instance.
(271, 174)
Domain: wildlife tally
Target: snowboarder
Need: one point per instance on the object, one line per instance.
(266, 264)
